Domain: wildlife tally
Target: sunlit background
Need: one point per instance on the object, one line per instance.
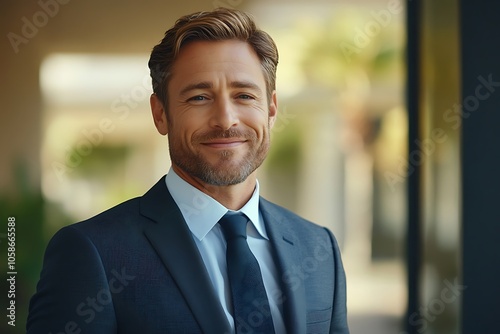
(85, 140)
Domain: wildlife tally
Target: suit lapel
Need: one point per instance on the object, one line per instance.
(172, 240)
(288, 259)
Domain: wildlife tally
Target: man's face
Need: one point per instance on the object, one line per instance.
(219, 115)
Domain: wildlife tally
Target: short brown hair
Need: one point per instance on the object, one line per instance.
(219, 24)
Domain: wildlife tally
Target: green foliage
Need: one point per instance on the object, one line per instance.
(285, 152)
(27, 206)
(103, 159)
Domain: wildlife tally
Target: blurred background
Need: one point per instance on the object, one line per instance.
(77, 136)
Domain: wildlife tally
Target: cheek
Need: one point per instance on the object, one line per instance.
(261, 126)
(257, 119)
(183, 129)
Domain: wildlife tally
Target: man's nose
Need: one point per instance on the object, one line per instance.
(224, 114)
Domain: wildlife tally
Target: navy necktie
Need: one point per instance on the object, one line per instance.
(251, 310)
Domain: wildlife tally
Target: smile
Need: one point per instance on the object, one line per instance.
(225, 143)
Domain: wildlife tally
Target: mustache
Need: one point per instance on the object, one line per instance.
(218, 134)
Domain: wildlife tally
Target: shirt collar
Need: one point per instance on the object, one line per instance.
(201, 212)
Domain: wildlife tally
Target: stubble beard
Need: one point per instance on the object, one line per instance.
(224, 172)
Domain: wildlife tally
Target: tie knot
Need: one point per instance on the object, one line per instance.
(234, 226)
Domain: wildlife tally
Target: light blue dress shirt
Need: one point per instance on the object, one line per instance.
(202, 213)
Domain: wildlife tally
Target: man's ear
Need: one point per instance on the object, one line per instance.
(273, 109)
(159, 115)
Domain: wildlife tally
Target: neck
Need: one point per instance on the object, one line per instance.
(233, 197)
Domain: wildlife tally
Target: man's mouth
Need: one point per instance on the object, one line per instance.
(224, 142)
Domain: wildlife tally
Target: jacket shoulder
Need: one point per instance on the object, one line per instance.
(278, 212)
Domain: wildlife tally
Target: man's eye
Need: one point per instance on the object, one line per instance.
(245, 97)
(197, 98)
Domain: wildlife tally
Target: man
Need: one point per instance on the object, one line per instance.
(158, 263)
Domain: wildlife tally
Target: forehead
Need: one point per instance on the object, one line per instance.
(200, 60)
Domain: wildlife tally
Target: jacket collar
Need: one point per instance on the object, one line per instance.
(172, 240)
(287, 255)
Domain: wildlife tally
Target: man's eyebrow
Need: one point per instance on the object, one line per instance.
(209, 85)
(245, 84)
(198, 85)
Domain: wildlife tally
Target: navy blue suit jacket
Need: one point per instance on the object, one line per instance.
(136, 269)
